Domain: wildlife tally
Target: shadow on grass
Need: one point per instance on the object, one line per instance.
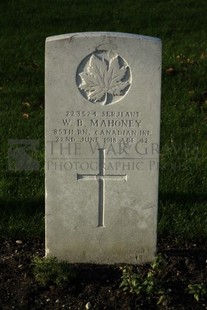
(27, 207)
(182, 198)
(22, 218)
(182, 217)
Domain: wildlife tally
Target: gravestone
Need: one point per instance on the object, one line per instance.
(102, 127)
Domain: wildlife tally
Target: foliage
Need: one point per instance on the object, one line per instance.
(197, 290)
(50, 271)
(146, 285)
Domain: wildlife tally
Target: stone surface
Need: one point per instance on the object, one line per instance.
(102, 147)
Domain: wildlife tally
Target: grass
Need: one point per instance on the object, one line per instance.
(181, 25)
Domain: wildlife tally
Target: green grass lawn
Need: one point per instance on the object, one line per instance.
(182, 26)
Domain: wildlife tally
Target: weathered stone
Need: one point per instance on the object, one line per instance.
(102, 147)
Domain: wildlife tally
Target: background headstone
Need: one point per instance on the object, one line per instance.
(102, 147)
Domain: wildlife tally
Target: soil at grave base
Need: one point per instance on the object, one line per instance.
(98, 285)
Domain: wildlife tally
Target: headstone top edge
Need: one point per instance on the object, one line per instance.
(100, 34)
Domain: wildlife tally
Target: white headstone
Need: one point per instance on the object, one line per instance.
(102, 147)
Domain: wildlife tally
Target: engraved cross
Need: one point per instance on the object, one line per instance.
(101, 178)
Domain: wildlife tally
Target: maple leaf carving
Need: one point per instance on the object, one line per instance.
(101, 78)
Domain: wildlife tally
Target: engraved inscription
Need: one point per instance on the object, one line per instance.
(103, 77)
(128, 142)
(109, 126)
(101, 178)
